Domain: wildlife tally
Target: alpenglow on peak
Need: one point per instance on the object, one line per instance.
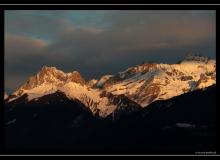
(50, 75)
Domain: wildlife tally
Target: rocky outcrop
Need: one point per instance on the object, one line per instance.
(92, 83)
(51, 75)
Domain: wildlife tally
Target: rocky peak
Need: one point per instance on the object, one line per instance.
(142, 67)
(92, 83)
(131, 72)
(50, 75)
(195, 57)
(50, 71)
(75, 77)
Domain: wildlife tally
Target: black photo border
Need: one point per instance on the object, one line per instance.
(4, 151)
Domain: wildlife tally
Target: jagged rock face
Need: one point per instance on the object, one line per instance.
(129, 73)
(76, 77)
(195, 58)
(205, 80)
(92, 83)
(186, 78)
(50, 75)
(147, 94)
(46, 75)
(124, 105)
(102, 81)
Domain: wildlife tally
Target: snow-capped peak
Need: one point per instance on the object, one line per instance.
(50, 76)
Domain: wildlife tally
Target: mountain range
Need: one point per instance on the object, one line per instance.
(140, 85)
(151, 101)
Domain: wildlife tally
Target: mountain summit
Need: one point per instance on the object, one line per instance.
(50, 76)
(196, 58)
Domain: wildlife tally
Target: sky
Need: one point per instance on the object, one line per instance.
(99, 42)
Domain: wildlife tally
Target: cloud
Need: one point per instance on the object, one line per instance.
(16, 45)
(14, 81)
(182, 27)
(100, 42)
